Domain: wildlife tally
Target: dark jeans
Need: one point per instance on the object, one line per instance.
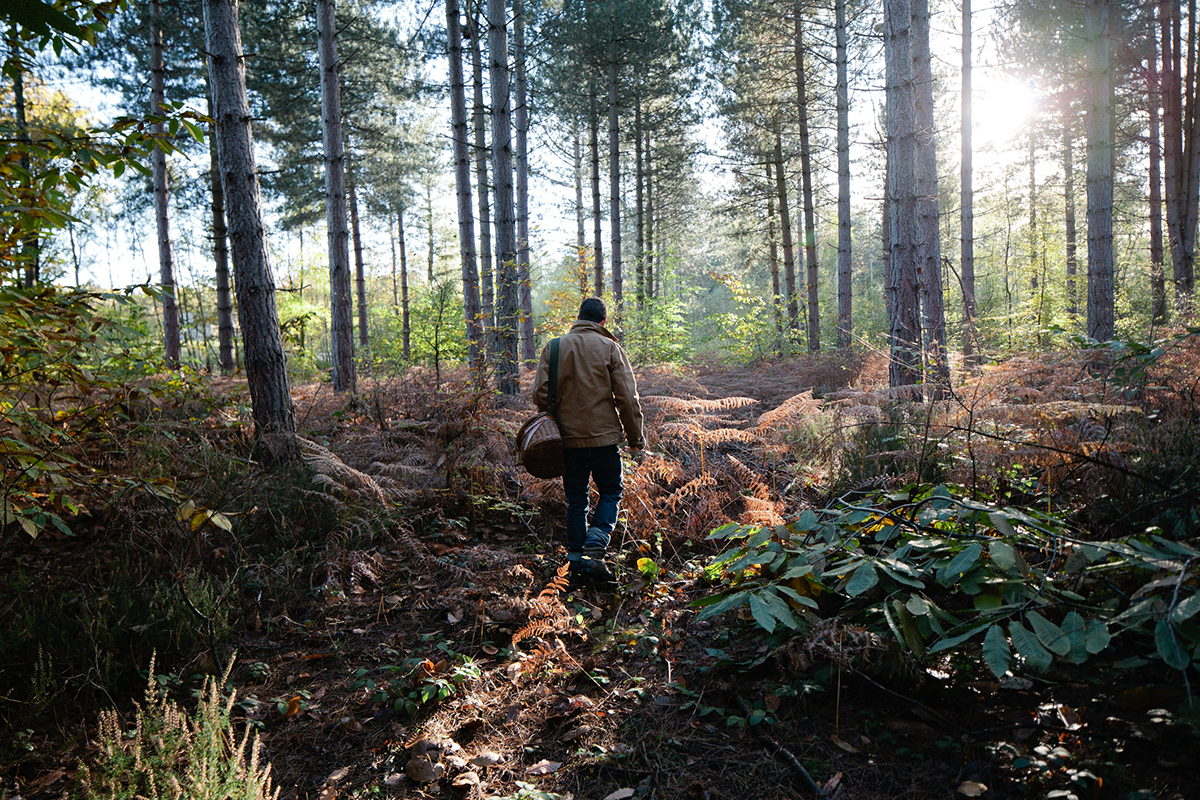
(603, 465)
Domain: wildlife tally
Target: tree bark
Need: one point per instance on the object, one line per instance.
(639, 247)
(30, 249)
(405, 322)
(904, 372)
(773, 254)
(1100, 322)
(158, 169)
(220, 252)
(594, 143)
(521, 157)
(845, 284)
(614, 197)
(345, 378)
(929, 244)
(360, 270)
(1158, 288)
(507, 311)
(1071, 234)
(967, 180)
(462, 181)
(650, 266)
(810, 226)
(580, 230)
(487, 280)
(785, 226)
(266, 369)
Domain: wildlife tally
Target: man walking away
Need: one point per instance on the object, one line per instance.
(597, 406)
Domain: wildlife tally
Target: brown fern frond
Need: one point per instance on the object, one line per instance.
(749, 479)
(692, 488)
(795, 409)
(333, 472)
(557, 584)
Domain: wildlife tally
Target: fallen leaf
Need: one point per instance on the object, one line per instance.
(581, 701)
(455, 616)
(619, 794)
(393, 599)
(849, 748)
(328, 793)
(466, 779)
(543, 767)
(395, 779)
(513, 670)
(293, 706)
(971, 788)
(352, 725)
(337, 776)
(46, 780)
(422, 770)
(490, 650)
(486, 758)
(832, 784)
(575, 734)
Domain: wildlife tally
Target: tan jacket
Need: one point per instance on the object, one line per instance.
(596, 394)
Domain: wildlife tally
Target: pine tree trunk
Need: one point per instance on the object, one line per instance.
(785, 226)
(806, 192)
(614, 198)
(158, 169)
(1070, 232)
(845, 286)
(479, 122)
(967, 181)
(360, 270)
(1100, 322)
(580, 230)
(1158, 288)
(521, 158)
(904, 372)
(507, 308)
(266, 371)
(345, 378)
(639, 209)
(405, 323)
(773, 252)
(220, 253)
(929, 243)
(30, 249)
(594, 143)
(462, 182)
(649, 219)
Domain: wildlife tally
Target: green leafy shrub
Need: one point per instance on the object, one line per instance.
(939, 571)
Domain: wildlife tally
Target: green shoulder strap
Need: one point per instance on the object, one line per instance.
(551, 403)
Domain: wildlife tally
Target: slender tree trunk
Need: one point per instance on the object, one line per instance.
(594, 143)
(508, 310)
(967, 177)
(262, 344)
(462, 182)
(1158, 289)
(158, 168)
(395, 273)
(1070, 231)
(1191, 178)
(650, 267)
(785, 226)
(521, 156)
(30, 250)
(345, 378)
(773, 252)
(405, 323)
(905, 367)
(614, 197)
(845, 275)
(929, 245)
(430, 250)
(1033, 280)
(806, 192)
(220, 253)
(1100, 323)
(580, 230)
(360, 270)
(481, 179)
(640, 218)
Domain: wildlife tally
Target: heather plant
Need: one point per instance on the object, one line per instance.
(165, 753)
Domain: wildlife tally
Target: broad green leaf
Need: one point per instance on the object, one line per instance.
(725, 531)
(1075, 628)
(1098, 636)
(799, 598)
(725, 604)
(960, 564)
(901, 573)
(953, 641)
(779, 607)
(807, 521)
(865, 578)
(996, 652)
(1170, 647)
(761, 537)
(1186, 609)
(1029, 647)
(762, 613)
(917, 606)
(1000, 522)
(1002, 553)
(797, 572)
(1050, 634)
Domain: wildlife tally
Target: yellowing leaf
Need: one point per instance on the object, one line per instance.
(971, 788)
(849, 748)
(543, 767)
(221, 521)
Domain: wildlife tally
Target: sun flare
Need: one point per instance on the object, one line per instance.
(1001, 110)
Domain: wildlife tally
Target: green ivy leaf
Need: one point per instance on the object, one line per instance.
(996, 652)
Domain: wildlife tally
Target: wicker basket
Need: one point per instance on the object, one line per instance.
(539, 447)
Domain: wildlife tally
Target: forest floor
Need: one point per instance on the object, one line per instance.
(447, 630)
